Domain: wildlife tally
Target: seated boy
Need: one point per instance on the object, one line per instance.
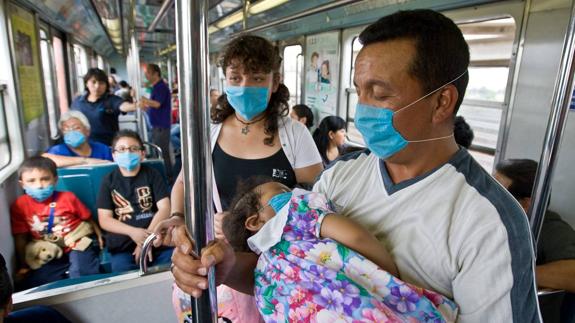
(45, 214)
(132, 200)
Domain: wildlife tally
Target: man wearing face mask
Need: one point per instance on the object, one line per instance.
(448, 225)
(77, 148)
(132, 200)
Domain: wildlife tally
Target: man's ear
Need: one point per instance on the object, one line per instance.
(445, 104)
(253, 223)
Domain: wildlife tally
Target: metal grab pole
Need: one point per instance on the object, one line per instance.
(140, 118)
(562, 93)
(192, 47)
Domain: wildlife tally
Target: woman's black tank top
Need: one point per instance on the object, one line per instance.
(229, 170)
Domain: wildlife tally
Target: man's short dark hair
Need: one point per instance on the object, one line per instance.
(99, 75)
(441, 51)
(522, 173)
(112, 70)
(127, 133)
(6, 288)
(154, 68)
(462, 132)
(38, 162)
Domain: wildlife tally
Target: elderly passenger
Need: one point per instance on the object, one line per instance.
(77, 148)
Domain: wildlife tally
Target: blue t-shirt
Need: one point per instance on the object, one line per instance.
(99, 151)
(161, 117)
(102, 115)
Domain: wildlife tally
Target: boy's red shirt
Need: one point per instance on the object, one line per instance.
(30, 216)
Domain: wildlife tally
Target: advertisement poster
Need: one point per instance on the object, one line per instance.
(25, 45)
(322, 72)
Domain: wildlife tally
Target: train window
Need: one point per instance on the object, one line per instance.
(48, 83)
(491, 46)
(81, 64)
(353, 134)
(101, 63)
(59, 64)
(4, 139)
(292, 60)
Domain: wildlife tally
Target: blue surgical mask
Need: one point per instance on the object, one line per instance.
(74, 138)
(376, 126)
(127, 160)
(248, 101)
(39, 194)
(277, 202)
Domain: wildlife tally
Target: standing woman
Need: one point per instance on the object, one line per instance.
(251, 135)
(100, 106)
(329, 138)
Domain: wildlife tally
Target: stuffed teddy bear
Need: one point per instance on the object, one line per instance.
(40, 252)
(77, 239)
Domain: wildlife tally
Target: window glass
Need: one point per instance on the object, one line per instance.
(487, 83)
(60, 67)
(353, 134)
(81, 62)
(291, 65)
(4, 140)
(48, 83)
(490, 46)
(101, 63)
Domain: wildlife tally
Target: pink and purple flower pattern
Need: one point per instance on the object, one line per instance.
(304, 278)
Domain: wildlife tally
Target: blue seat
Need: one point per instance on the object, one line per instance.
(85, 182)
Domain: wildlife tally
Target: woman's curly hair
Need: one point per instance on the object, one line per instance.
(256, 55)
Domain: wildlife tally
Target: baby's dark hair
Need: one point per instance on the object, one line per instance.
(38, 162)
(245, 203)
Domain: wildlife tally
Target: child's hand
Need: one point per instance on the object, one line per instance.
(218, 222)
(137, 253)
(164, 230)
(21, 274)
(100, 241)
(139, 235)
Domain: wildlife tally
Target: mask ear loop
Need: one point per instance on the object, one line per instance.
(425, 96)
(430, 93)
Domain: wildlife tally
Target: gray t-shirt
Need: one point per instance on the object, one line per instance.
(557, 240)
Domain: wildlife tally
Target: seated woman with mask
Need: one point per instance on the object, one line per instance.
(77, 148)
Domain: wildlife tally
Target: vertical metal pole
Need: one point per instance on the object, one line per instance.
(170, 75)
(142, 125)
(192, 47)
(555, 127)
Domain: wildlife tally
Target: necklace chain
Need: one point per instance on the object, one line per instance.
(246, 127)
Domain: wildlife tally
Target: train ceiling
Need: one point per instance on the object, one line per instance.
(106, 25)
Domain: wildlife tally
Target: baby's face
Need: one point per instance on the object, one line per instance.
(269, 190)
